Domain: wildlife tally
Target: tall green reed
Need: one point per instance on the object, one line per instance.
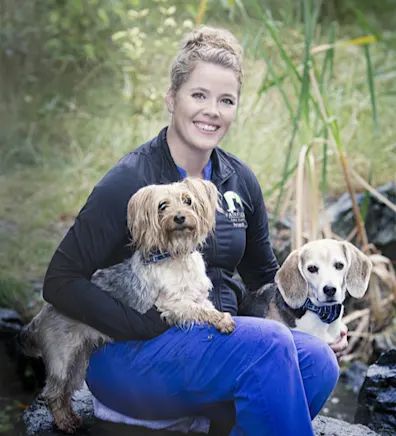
(305, 88)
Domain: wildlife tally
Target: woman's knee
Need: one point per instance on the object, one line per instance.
(268, 336)
(331, 369)
(319, 370)
(328, 361)
(320, 360)
(265, 328)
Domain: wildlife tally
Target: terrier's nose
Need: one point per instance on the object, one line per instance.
(179, 218)
(329, 291)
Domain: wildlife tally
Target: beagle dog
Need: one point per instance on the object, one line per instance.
(310, 288)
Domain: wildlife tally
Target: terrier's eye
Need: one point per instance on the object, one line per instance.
(162, 206)
(313, 269)
(187, 200)
(339, 265)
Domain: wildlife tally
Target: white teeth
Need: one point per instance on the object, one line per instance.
(206, 127)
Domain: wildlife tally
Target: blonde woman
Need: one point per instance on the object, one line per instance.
(261, 379)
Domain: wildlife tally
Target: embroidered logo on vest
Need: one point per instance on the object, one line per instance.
(235, 212)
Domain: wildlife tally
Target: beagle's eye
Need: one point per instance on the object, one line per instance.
(313, 269)
(339, 265)
(162, 206)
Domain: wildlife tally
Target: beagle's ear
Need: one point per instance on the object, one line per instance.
(292, 285)
(359, 270)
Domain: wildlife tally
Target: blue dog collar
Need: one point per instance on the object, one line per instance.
(155, 257)
(327, 314)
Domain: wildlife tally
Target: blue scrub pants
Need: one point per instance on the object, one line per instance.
(263, 378)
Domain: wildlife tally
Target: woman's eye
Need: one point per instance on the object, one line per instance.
(187, 200)
(313, 269)
(339, 265)
(228, 101)
(162, 206)
(198, 95)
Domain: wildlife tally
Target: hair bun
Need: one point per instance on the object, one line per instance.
(207, 44)
(205, 36)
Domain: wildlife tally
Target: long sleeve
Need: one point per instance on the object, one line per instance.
(258, 265)
(99, 230)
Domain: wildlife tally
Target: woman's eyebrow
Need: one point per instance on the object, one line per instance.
(200, 88)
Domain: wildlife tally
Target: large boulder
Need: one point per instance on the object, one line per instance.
(10, 323)
(30, 371)
(377, 398)
(380, 220)
(324, 426)
(37, 421)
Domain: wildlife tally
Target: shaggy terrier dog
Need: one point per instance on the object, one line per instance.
(168, 224)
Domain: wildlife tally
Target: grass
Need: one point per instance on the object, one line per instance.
(59, 140)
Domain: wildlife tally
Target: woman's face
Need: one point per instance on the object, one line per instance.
(204, 107)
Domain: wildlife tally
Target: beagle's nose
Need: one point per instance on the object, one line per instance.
(179, 218)
(329, 291)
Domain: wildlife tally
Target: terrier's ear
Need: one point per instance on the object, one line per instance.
(206, 200)
(359, 270)
(143, 218)
(291, 283)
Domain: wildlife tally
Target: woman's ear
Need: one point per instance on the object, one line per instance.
(170, 100)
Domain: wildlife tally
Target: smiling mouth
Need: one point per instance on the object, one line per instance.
(207, 128)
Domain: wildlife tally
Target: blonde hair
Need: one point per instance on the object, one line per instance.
(206, 44)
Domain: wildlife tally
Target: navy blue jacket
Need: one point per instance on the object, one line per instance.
(99, 238)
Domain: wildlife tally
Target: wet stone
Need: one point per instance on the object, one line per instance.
(377, 398)
(37, 421)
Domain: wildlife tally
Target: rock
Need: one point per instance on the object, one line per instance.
(333, 427)
(281, 240)
(377, 398)
(380, 220)
(10, 323)
(37, 421)
(354, 376)
(30, 371)
(383, 342)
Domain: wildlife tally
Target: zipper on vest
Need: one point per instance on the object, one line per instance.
(217, 290)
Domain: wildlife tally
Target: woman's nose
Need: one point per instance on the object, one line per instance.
(212, 109)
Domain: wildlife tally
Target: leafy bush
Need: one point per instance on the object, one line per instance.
(140, 58)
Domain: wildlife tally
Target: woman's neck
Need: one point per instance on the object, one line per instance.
(192, 161)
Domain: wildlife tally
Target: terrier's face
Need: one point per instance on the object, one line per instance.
(175, 218)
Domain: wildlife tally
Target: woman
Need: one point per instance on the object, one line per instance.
(261, 379)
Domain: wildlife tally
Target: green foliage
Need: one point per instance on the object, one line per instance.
(164, 26)
(13, 292)
(84, 83)
(79, 30)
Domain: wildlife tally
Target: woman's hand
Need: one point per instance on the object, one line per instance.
(342, 344)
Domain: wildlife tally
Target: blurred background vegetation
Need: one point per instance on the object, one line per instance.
(82, 82)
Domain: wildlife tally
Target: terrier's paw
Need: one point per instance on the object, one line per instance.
(226, 324)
